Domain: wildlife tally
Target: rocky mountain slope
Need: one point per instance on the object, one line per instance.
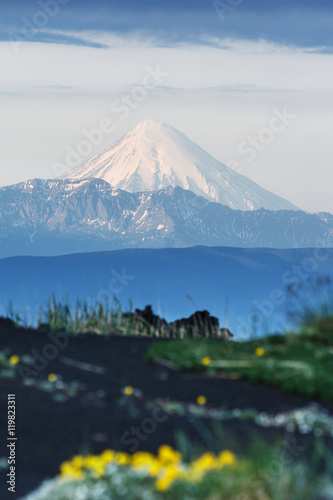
(52, 217)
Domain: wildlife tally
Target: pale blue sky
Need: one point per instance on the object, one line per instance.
(226, 76)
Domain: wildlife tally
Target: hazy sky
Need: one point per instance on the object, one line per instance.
(250, 81)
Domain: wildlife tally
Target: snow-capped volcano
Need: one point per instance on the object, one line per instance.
(154, 155)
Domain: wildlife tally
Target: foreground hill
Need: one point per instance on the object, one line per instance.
(76, 402)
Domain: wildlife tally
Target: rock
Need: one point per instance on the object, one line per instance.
(225, 334)
(149, 321)
(6, 323)
(200, 324)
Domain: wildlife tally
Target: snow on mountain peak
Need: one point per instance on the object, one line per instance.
(154, 155)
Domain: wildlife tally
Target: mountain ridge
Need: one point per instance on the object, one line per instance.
(53, 217)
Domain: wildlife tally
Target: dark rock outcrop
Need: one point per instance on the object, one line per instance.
(150, 322)
(200, 324)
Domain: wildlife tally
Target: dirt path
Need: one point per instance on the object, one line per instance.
(51, 431)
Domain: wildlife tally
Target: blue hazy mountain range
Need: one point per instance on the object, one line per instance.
(245, 288)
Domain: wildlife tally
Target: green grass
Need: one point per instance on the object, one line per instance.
(311, 309)
(299, 362)
(80, 318)
(292, 362)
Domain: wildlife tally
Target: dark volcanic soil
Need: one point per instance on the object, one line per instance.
(50, 432)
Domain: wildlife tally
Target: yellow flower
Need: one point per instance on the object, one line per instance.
(170, 474)
(154, 468)
(69, 471)
(208, 461)
(260, 351)
(108, 456)
(143, 460)
(167, 467)
(128, 391)
(201, 400)
(141, 457)
(167, 455)
(14, 360)
(95, 464)
(206, 361)
(78, 461)
(122, 458)
(163, 483)
(89, 461)
(227, 458)
(52, 377)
